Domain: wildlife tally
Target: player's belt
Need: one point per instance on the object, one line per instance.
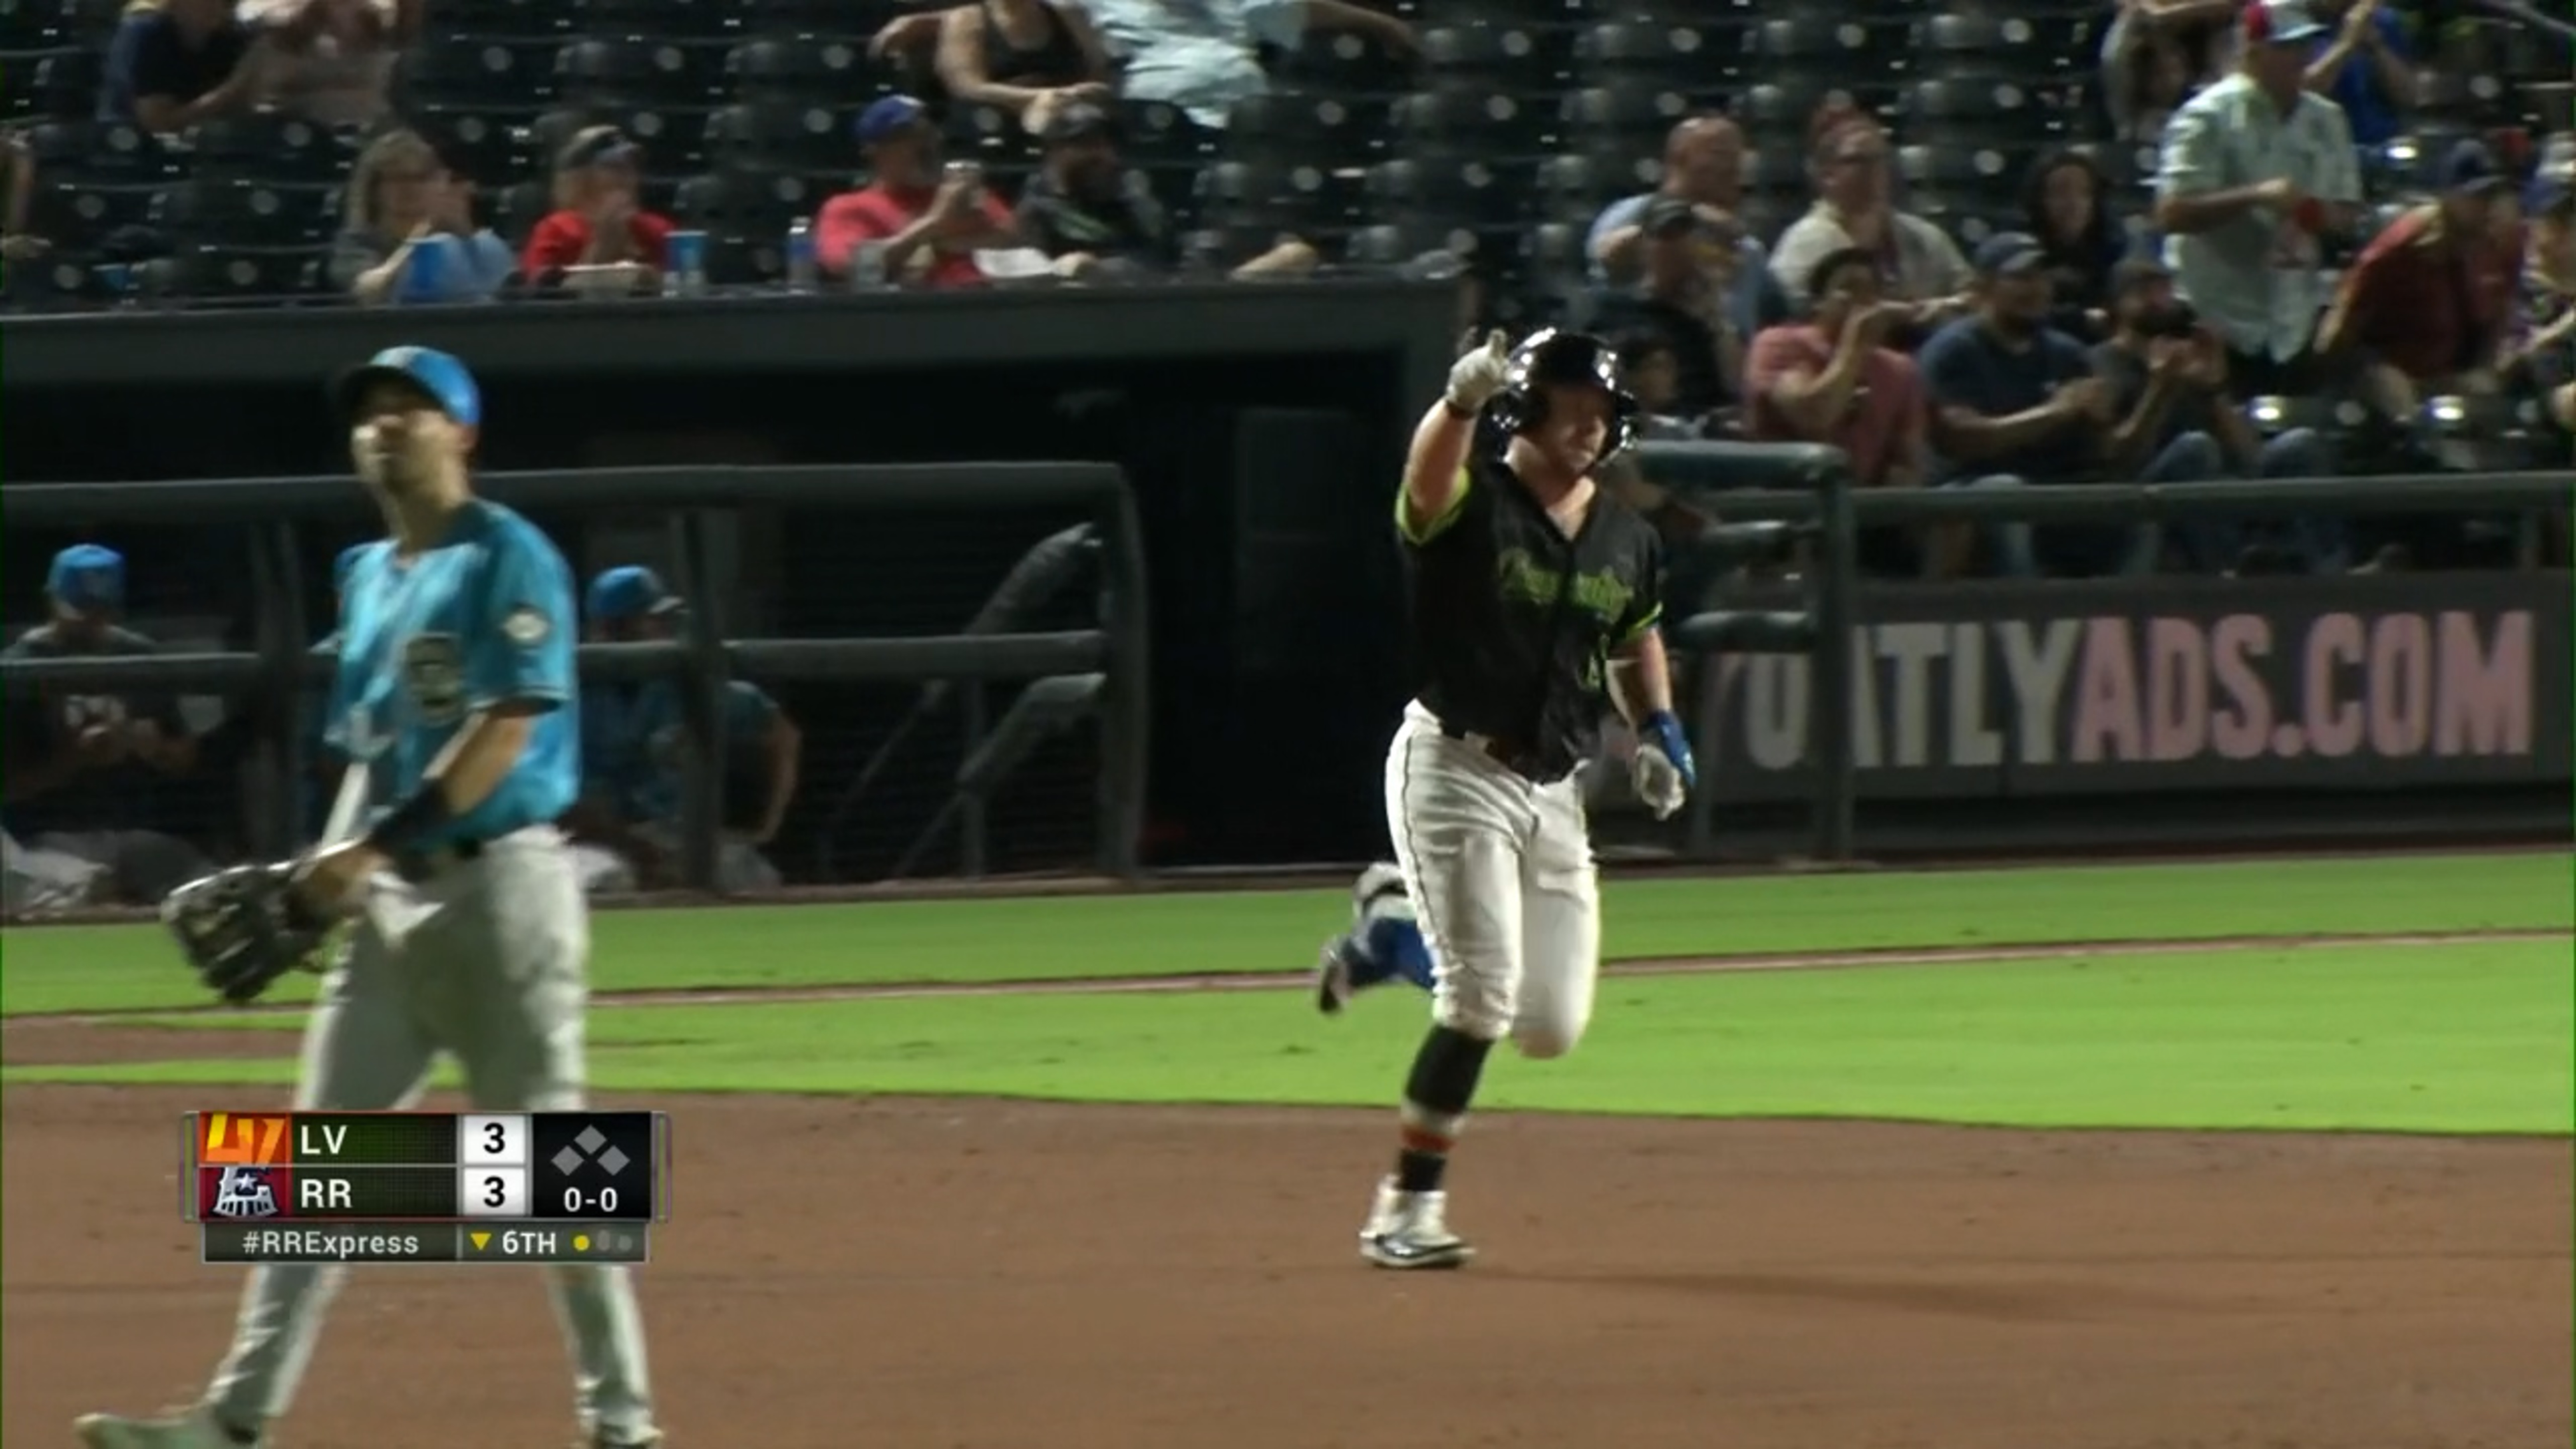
(1521, 760)
(426, 865)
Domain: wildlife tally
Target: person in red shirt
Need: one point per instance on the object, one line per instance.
(597, 220)
(2427, 306)
(1834, 380)
(927, 228)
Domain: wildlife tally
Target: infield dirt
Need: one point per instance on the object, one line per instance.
(848, 1274)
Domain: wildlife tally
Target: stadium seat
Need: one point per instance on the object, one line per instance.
(1949, 46)
(800, 68)
(1837, 49)
(247, 213)
(246, 273)
(505, 70)
(1964, 112)
(677, 19)
(779, 135)
(488, 143)
(1659, 53)
(271, 145)
(1573, 188)
(1338, 60)
(991, 135)
(534, 19)
(1624, 118)
(1305, 127)
(1152, 133)
(1519, 59)
(63, 83)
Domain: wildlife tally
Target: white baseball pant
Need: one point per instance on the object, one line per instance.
(488, 961)
(1503, 884)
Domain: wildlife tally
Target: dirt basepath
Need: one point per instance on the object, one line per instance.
(892, 1274)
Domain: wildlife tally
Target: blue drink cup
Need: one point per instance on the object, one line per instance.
(686, 253)
(424, 277)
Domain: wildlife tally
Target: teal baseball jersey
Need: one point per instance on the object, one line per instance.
(633, 740)
(484, 617)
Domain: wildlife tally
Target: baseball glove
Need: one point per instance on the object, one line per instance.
(244, 927)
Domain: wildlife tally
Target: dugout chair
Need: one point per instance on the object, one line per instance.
(1047, 708)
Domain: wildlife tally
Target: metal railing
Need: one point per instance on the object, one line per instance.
(1809, 489)
(1108, 663)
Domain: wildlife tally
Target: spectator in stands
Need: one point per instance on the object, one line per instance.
(2015, 403)
(1029, 57)
(634, 749)
(1654, 377)
(1855, 207)
(2425, 309)
(2066, 203)
(1703, 165)
(2154, 55)
(403, 204)
(1096, 219)
(1683, 295)
(174, 63)
(2543, 351)
(599, 228)
(83, 767)
(334, 59)
(2367, 68)
(2256, 174)
(1832, 379)
(2178, 424)
(921, 229)
(17, 195)
(1204, 55)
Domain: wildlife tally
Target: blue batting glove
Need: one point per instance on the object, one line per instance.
(1663, 731)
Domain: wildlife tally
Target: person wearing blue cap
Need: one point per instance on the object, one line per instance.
(2425, 306)
(86, 770)
(456, 703)
(2015, 402)
(634, 748)
(924, 227)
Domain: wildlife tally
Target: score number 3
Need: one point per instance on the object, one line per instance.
(492, 1175)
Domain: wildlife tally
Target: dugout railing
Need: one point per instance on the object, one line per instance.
(1809, 489)
(1098, 673)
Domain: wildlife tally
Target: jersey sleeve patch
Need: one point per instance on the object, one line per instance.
(526, 625)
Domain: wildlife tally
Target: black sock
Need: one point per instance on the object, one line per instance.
(1417, 1171)
(1443, 1082)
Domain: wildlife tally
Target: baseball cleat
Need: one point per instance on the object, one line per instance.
(1411, 1230)
(1333, 984)
(190, 1430)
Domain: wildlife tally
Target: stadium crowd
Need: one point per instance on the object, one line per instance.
(1969, 243)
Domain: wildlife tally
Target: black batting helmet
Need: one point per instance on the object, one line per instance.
(1549, 356)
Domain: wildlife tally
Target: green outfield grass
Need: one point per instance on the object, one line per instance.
(2464, 1039)
(107, 968)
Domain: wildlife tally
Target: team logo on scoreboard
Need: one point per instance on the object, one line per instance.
(230, 1137)
(237, 1193)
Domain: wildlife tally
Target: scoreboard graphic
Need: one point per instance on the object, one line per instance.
(427, 1187)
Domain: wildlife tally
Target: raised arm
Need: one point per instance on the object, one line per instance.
(1435, 479)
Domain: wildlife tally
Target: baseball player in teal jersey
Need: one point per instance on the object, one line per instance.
(633, 743)
(455, 703)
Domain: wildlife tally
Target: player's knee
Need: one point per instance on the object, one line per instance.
(1471, 1007)
(1548, 1041)
(1547, 1035)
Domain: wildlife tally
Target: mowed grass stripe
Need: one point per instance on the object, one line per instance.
(133, 968)
(2467, 1039)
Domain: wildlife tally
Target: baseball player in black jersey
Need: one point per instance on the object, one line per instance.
(1535, 597)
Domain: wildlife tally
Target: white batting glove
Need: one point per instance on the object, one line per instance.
(1663, 769)
(1476, 377)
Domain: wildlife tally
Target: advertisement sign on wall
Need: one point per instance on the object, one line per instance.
(2184, 684)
